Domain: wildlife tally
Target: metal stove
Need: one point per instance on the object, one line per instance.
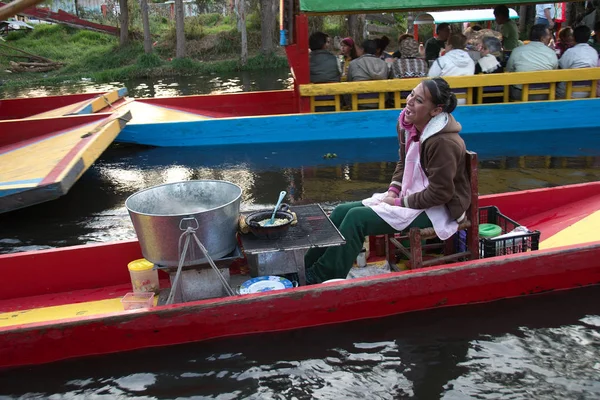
(286, 254)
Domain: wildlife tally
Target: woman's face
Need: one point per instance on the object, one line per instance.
(419, 106)
(483, 50)
(345, 49)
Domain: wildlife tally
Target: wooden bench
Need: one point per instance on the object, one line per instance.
(414, 253)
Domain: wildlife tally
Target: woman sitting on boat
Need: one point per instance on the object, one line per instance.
(430, 186)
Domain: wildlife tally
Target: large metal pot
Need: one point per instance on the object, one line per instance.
(160, 215)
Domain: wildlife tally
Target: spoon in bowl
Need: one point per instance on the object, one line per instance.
(272, 220)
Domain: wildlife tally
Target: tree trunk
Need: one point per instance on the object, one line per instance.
(315, 24)
(240, 10)
(146, 23)
(356, 27)
(124, 20)
(179, 29)
(522, 19)
(268, 10)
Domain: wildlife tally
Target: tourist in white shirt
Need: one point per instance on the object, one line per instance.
(534, 56)
(544, 14)
(582, 55)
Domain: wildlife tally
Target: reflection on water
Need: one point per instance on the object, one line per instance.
(94, 211)
(238, 81)
(510, 349)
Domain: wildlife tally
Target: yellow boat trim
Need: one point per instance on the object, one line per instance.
(65, 311)
(59, 112)
(91, 106)
(143, 113)
(94, 148)
(330, 94)
(43, 156)
(583, 231)
(105, 100)
(472, 81)
(4, 186)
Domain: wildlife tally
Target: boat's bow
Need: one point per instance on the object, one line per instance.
(43, 158)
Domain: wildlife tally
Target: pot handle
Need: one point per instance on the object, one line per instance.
(284, 207)
(191, 222)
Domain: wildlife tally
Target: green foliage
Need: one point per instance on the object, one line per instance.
(98, 56)
(148, 60)
(184, 64)
(335, 25)
(16, 35)
(253, 21)
(425, 32)
(208, 19)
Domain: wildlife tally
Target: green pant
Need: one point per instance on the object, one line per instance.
(354, 221)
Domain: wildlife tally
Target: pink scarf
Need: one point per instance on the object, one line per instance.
(413, 134)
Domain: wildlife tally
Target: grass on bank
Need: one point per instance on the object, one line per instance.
(94, 55)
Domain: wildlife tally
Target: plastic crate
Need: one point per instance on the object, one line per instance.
(491, 247)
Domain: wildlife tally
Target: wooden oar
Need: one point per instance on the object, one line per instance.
(15, 7)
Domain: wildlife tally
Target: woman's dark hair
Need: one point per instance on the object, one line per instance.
(353, 54)
(441, 94)
(382, 43)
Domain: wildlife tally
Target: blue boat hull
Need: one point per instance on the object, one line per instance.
(561, 128)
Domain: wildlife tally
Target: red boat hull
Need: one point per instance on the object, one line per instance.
(94, 268)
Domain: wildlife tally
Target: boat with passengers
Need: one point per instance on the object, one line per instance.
(260, 117)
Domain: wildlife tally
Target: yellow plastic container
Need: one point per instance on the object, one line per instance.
(144, 277)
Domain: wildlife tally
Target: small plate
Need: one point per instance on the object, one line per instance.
(265, 284)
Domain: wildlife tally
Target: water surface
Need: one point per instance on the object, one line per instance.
(231, 82)
(94, 210)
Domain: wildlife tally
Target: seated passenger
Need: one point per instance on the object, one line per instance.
(348, 52)
(402, 37)
(367, 66)
(565, 41)
(323, 64)
(434, 45)
(382, 44)
(534, 56)
(409, 65)
(456, 61)
(582, 55)
(430, 186)
(509, 30)
(491, 56)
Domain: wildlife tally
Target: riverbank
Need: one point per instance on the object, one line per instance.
(97, 57)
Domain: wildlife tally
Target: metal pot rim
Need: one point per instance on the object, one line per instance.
(183, 214)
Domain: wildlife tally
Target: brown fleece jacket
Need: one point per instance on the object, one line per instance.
(443, 160)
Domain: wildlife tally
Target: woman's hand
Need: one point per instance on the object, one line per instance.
(389, 200)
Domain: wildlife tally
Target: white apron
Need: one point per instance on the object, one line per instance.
(414, 180)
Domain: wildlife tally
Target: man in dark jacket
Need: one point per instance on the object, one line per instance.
(323, 65)
(434, 45)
